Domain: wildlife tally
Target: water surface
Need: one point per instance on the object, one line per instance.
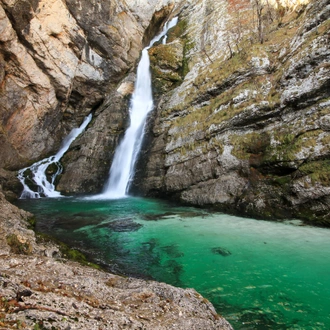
(258, 274)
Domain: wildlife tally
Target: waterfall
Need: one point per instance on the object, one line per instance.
(37, 173)
(122, 168)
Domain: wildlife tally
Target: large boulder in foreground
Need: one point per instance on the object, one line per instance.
(64, 295)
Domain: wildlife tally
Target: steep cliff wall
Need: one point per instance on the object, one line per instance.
(59, 60)
(247, 130)
(242, 88)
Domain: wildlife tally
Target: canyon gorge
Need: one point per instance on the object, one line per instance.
(241, 118)
(240, 124)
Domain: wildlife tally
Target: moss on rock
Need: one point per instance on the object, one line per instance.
(18, 244)
(318, 171)
(166, 66)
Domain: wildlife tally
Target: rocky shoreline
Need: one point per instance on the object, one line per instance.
(39, 289)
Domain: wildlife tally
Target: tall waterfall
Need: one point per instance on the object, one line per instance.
(36, 174)
(122, 168)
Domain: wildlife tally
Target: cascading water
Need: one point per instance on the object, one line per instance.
(38, 171)
(122, 168)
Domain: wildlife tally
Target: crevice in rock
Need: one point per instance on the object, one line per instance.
(15, 25)
(156, 23)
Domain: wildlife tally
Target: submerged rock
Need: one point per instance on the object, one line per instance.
(222, 251)
(172, 251)
(122, 225)
(156, 217)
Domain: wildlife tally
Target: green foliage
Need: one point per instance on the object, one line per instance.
(178, 31)
(163, 54)
(217, 145)
(188, 46)
(318, 171)
(39, 326)
(75, 255)
(170, 63)
(281, 180)
(289, 144)
(251, 143)
(32, 222)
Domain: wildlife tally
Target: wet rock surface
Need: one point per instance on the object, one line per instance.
(222, 251)
(87, 162)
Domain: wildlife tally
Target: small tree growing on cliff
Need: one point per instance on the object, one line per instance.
(237, 25)
(258, 7)
(264, 14)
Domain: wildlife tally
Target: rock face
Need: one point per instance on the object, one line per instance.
(38, 289)
(87, 163)
(58, 61)
(15, 236)
(54, 294)
(242, 93)
(246, 131)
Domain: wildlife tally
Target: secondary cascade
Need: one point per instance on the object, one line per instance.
(122, 168)
(36, 174)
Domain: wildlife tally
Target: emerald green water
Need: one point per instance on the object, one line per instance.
(258, 274)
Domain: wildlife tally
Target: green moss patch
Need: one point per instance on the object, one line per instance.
(66, 251)
(178, 31)
(164, 56)
(18, 246)
(290, 143)
(318, 171)
(251, 143)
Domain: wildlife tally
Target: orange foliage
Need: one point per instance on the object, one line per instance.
(234, 5)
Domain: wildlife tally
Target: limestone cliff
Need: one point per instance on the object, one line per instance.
(244, 124)
(242, 93)
(58, 61)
